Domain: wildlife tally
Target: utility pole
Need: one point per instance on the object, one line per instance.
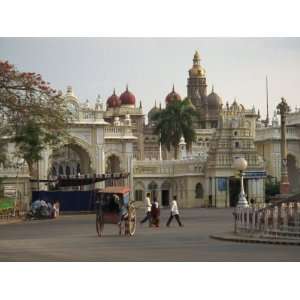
(267, 96)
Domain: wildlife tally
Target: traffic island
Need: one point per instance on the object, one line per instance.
(231, 237)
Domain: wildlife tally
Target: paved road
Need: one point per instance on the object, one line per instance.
(73, 238)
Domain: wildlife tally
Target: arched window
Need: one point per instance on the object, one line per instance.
(68, 171)
(78, 169)
(138, 195)
(54, 171)
(199, 191)
(61, 170)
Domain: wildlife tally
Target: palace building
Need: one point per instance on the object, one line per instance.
(114, 137)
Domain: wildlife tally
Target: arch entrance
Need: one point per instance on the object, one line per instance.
(113, 164)
(71, 159)
(165, 193)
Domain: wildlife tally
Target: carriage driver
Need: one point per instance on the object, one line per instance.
(122, 210)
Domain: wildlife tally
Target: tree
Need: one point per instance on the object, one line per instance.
(272, 188)
(32, 113)
(174, 121)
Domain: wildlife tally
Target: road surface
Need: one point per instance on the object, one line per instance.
(74, 238)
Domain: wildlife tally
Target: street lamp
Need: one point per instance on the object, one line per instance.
(241, 164)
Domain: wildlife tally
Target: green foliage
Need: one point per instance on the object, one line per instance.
(32, 139)
(174, 121)
(272, 188)
(33, 114)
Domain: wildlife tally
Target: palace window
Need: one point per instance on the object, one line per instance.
(199, 191)
(138, 195)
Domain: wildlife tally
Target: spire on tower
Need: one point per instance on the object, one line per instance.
(196, 59)
(173, 89)
(212, 89)
(140, 104)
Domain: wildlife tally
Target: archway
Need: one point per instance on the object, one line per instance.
(165, 193)
(71, 159)
(199, 191)
(293, 173)
(113, 164)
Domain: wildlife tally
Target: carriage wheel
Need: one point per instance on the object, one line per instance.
(131, 220)
(99, 225)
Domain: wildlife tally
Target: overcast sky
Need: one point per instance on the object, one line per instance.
(236, 67)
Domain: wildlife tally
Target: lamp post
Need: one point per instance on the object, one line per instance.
(241, 164)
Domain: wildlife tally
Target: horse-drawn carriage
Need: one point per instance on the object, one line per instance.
(112, 203)
(114, 207)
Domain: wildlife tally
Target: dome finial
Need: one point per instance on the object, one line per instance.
(127, 87)
(196, 58)
(140, 104)
(114, 91)
(173, 89)
(155, 103)
(212, 89)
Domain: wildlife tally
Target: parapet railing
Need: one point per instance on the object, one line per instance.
(279, 219)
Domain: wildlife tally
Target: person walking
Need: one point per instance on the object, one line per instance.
(174, 213)
(147, 210)
(155, 212)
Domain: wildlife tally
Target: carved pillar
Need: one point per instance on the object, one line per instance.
(283, 109)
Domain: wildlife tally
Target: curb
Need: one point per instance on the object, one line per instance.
(239, 239)
(11, 222)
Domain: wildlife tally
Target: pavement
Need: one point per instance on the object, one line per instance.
(74, 238)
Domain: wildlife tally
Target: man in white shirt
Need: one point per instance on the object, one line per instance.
(147, 210)
(174, 213)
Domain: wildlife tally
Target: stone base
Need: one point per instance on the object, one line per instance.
(284, 187)
(280, 197)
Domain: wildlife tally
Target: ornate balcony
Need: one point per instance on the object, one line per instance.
(118, 132)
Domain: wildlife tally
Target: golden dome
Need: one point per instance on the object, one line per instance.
(197, 70)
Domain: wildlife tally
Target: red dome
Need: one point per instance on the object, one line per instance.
(173, 96)
(127, 98)
(113, 101)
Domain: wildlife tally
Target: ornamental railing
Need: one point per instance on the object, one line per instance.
(167, 168)
(278, 220)
(274, 133)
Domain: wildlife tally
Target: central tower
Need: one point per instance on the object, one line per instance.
(196, 84)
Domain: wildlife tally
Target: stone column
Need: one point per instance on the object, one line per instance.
(283, 109)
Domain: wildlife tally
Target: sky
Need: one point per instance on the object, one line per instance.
(237, 67)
